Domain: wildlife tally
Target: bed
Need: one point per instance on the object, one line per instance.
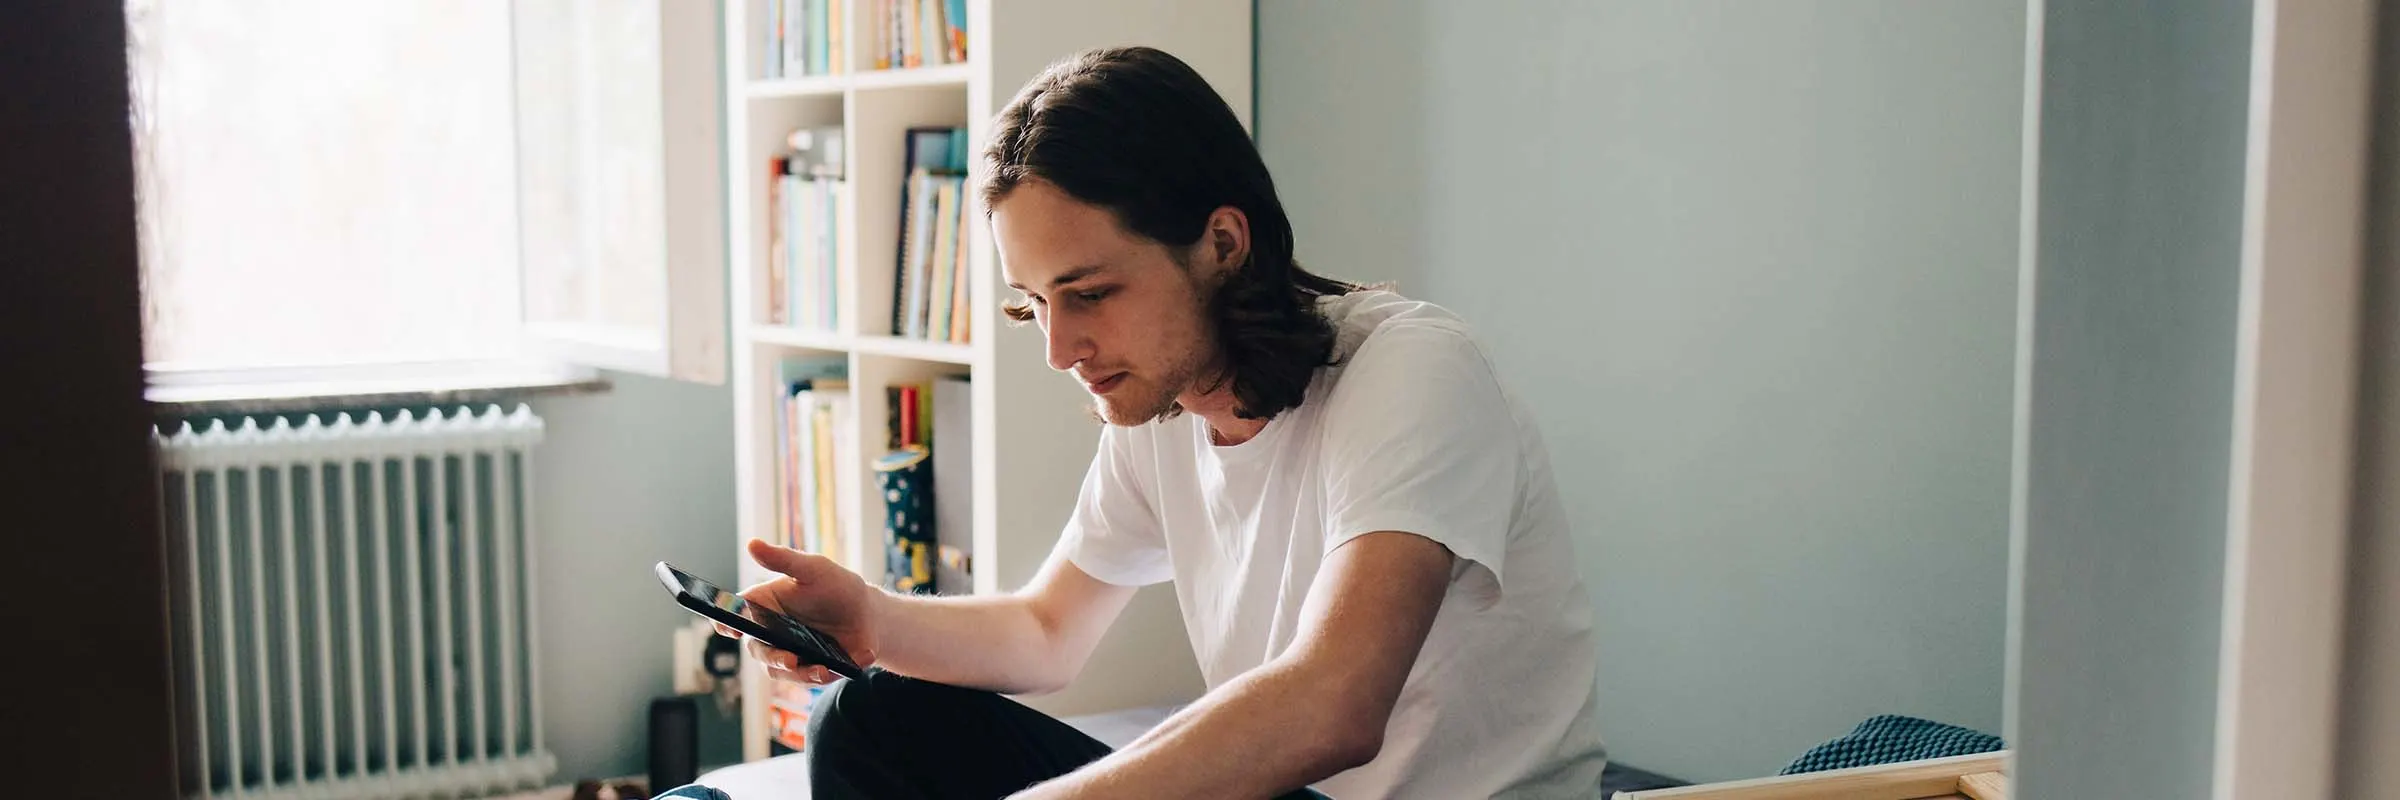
(786, 777)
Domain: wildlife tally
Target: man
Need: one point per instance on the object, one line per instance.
(1361, 525)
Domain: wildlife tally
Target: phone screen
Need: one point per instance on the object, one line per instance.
(725, 600)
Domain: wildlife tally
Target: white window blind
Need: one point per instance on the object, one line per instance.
(326, 183)
(330, 185)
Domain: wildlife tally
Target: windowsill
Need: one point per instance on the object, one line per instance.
(179, 393)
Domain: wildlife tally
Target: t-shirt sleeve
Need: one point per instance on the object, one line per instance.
(1114, 535)
(1419, 438)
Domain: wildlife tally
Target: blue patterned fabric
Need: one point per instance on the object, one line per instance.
(905, 477)
(1890, 738)
(693, 792)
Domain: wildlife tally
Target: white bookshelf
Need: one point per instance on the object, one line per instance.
(1031, 439)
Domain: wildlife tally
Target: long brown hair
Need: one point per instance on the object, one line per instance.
(1138, 132)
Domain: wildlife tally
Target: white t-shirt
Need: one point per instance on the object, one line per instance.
(1410, 432)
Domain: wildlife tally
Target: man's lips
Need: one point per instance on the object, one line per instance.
(1105, 384)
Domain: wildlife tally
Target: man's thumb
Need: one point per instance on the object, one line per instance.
(784, 560)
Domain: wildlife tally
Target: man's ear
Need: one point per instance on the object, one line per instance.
(1225, 245)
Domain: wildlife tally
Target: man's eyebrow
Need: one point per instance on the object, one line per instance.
(1067, 277)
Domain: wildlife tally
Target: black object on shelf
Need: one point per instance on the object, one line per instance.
(674, 742)
(722, 657)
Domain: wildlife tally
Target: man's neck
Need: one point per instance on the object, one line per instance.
(1233, 430)
(1225, 428)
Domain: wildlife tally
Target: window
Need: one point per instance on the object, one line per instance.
(338, 184)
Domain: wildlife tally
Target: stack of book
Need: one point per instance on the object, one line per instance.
(788, 704)
(918, 33)
(804, 37)
(806, 214)
(930, 291)
(815, 435)
(812, 37)
(926, 488)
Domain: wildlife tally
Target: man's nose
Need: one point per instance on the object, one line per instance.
(1065, 344)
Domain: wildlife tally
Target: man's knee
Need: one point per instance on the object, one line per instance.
(845, 708)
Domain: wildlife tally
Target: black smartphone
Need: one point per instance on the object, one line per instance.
(779, 631)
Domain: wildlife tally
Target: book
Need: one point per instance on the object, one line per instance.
(945, 252)
(836, 38)
(879, 15)
(846, 498)
(778, 268)
(801, 407)
(906, 308)
(953, 484)
(817, 62)
(805, 221)
(770, 51)
(960, 301)
(955, 15)
(911, 53)
(804, 38)
(926, 212)
(788, 37)
(908, 406)
(800, 234)
(828, 525)
(926, 37)
(799, 382)
(933, 154)
(788, 705)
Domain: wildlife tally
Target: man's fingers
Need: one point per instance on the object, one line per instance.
(783, 665)
(759, 650)
(780, 559)
(774, 659)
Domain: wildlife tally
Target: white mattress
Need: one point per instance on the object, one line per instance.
(786, 777)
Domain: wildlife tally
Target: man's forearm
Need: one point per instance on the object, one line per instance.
(991, 643)
(1273, 730)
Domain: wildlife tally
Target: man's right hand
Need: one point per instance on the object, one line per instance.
(820, 594)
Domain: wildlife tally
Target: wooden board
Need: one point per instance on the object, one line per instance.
(1984, 786)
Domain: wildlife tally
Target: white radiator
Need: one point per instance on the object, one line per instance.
(353, 606)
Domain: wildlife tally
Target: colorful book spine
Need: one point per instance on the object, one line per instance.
(945, 251)
(770, 48)
(911, 54)
(828, 529)
(954, 14)
(960, 287)
(778, 269)
(930, 287)
(836, 38)
(805, 37)
(828, 225)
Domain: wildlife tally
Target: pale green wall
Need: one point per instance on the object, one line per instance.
(1753, 266)
(627, 478)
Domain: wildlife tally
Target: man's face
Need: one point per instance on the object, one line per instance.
(1120, 312)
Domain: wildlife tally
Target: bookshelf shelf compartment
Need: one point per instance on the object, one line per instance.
(953, 75)
(893, 346)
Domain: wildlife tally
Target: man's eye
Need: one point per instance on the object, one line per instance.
(1091, 297)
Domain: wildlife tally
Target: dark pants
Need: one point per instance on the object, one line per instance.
(890, 737)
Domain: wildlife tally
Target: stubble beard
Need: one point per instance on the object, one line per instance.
(1143, 400)
(1159, 400)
